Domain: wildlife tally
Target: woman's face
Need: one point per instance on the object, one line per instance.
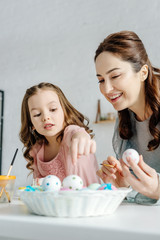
(119, 83)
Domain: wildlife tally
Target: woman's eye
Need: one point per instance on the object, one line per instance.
(116, 76)
(37, 115)
(100, 80)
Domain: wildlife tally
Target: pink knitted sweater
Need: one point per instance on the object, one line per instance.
(62, 165)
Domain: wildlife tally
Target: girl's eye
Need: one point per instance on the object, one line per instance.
(100, 80)
(116, 76)
(53, 109)
(37, 115)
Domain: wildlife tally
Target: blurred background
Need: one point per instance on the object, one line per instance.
(55, 41)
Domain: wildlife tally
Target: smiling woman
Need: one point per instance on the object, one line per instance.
(131, 84)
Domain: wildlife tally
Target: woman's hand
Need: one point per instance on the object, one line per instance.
(147, 181)
(81, 144)
(112, 173)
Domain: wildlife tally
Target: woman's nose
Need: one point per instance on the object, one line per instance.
(107, 87)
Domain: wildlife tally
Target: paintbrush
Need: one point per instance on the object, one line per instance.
(107, 165)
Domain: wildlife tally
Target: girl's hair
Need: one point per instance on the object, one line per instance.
(71, 117)
(129, 47)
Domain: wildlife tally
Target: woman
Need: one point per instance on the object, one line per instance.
(130, 83)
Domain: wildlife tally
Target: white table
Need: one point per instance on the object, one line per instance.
(129, 222)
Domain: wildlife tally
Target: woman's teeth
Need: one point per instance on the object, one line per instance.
(115, 96)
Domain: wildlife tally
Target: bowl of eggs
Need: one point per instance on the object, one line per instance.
(70, 198)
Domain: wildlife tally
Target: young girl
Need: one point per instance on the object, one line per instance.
(131, 84)
(49, 127)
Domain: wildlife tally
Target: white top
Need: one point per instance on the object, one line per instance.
(130, 221)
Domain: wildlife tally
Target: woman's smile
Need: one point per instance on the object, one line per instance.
(119, 83)
(115, 97)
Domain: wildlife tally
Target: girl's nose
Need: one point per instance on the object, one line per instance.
(45, 118)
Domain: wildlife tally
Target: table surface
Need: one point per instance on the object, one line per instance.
(130, 221)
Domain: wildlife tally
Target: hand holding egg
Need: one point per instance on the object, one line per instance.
(133, 154)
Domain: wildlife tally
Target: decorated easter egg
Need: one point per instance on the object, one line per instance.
(51, 183)
(73, 182)
(94, 186)
(133, 154)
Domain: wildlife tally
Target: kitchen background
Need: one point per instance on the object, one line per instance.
(55, 41)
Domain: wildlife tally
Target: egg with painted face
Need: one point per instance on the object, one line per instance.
(72, 182)
(51, 183)
(133, 154)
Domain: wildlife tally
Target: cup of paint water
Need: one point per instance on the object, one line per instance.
(7, 184)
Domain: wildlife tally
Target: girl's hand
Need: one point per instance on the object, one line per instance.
(147, 181)
(112, 173)
(81, 144)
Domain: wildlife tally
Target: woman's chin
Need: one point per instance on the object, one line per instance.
(119, 108)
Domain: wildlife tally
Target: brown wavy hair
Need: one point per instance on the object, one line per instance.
(71, 117)
(129, 47)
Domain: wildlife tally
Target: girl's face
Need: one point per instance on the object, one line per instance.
(118, 82)
(46, 113)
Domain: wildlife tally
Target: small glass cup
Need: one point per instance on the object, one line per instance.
(6, 188)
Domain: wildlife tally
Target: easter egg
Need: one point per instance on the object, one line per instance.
(94, 186)
(51, 183)
(133, 154)
(73, 182)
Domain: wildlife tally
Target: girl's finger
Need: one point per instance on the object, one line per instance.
(92, 146)
(80, 147)
(87, 148)
(73, 149)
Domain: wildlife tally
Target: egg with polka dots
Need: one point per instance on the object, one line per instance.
(72, 182)
(133, 154)
(51, 183)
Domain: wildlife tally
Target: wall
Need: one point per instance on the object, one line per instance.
(55, 41)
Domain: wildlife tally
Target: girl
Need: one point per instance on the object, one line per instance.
(49, 127)
(131, 84)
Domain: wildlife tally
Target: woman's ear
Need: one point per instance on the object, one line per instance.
(144, 72)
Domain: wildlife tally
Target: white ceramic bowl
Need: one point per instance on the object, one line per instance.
(74, 203)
